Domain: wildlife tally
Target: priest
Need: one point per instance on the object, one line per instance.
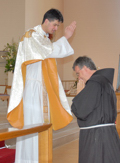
(37, 95)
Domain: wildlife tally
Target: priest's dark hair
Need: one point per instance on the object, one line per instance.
(53, 14)
(84, 61)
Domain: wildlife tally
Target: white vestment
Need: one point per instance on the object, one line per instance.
(27, 146)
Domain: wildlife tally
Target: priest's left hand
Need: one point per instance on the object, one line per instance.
(69, 30)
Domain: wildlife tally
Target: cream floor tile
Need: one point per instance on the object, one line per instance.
(67, 153)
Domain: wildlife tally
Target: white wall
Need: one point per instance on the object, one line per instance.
(12, 21)
(97, 34)
(12, 26)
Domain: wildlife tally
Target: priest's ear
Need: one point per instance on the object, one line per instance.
(46, 21)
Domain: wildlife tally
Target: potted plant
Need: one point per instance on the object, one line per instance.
(10, 56)
(11, 52)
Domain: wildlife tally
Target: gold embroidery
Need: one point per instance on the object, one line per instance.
(28, 34)
(45, 103)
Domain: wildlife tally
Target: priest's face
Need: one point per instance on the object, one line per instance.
(51, 26)
(81, 73)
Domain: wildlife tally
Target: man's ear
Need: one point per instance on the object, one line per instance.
(46, 21)
(85, 68)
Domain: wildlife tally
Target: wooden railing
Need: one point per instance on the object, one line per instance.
(5, 93)
(44, 138)
(5, 89)
(68, 86)
(72, 87)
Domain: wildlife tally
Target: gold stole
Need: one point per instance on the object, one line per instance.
(59, 117)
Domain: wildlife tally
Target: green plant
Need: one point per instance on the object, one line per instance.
(11, 52)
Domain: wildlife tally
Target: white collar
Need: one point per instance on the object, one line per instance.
(41, 31)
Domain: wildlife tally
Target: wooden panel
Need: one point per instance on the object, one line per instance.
(118, 100)
(118, 113)
(45, 146)
(118, 123)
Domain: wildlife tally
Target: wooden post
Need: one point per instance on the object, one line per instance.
(118, 100)
(45, 146)
(118, 123)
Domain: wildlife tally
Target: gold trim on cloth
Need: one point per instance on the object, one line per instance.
(15, 117)
(45, 102)
(58, 115)
(28, 34)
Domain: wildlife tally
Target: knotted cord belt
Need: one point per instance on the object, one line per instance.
(96, 126)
